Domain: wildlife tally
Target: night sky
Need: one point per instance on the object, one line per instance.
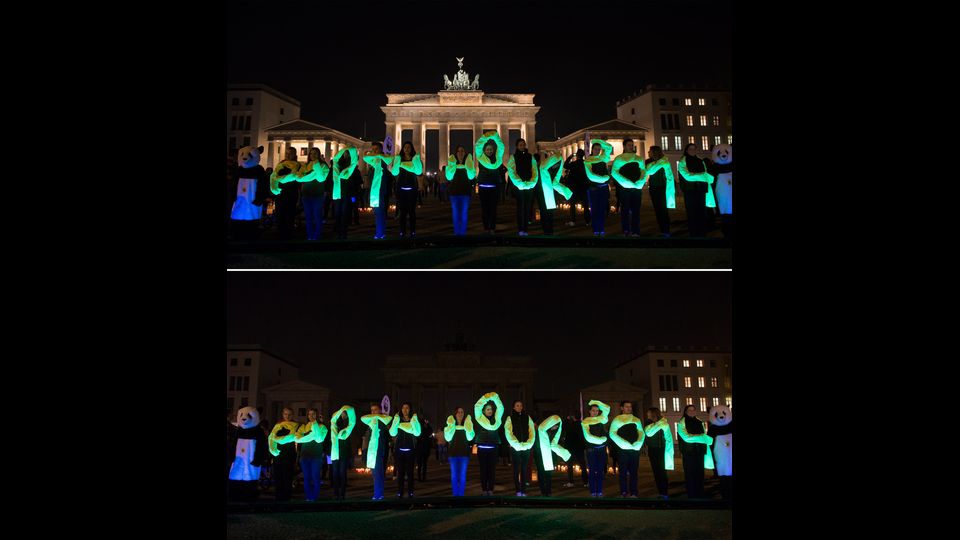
(339, 326)
(341, 58)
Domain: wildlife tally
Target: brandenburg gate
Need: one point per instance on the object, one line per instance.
(460, 105)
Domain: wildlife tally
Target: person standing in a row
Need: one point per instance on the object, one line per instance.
(695, 182)
(489, 162)
(694, 446)
(523, 172)
(458, 433)
(310, 437)
(599, 176)
(406, 429)
(659, 441)
(519, 429)
(287, 192)
(628, 171)
(660, 179)
(281, 442)
(341, 451)
(381, 183)
(424, 445)
(596, 438)
(627, 433)
(489, 414)
(313, 192)
(576, 444)
(407, 167)
(346, 187)
(460, 172)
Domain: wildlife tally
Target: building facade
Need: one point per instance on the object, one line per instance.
(612, 131)
(680, 376)
(613, 393)
(303, 136)
(435, 384)
(250, 370)
(675, 115)
(299, 396)
(251, 109)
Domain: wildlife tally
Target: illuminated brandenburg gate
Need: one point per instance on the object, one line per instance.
(461, 105)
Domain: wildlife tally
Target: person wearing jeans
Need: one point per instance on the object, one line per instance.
(595, 435)
(627, 433)
(459, 432)
(310, 437)
(460, 172)
(380, 184)
(595, 167)
(313, 192)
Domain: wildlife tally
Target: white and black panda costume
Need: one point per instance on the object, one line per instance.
(721, 429)
(722, 170)
(253, 187)
(244, 485)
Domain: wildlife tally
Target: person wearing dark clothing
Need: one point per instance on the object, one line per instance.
(660, 179)
(460, 173)
(693, 447)
(628, 437)
(287, 192)
(659, 444)
(381, 182)
(596, 439)
(489, 419)
(407, 167)
(328, 200)
(695, 182)
(313, 192)
(548, 186)
(310, 437)
(424, 446)
(281, 441)
(545, 455)
(578, 182)
(574, 442)
(341, 450)
(628, 171)
(520, 432)
(347, 181)
(488, 152)
(598, 176)
(406, 428)
(458, 433)
(523, 171)
(378, 439)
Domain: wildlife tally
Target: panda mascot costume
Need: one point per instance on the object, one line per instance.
(252, 188)
(250, 455)
(721, 429)
(722, 170)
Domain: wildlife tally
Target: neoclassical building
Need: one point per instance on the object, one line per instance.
(460, 106)
(434, 384)
(612, 131)
(303, 136)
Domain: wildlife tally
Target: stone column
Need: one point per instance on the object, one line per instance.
(504, 130)
(531, 137)
(271, 154)
(422, 147)
(443, 150)
(477, 131)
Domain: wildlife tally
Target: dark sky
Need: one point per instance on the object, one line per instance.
(341, 58)
(339, 326)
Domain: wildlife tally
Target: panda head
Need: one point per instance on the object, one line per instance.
(722, 154)
(720, 415)
(247, 418)
(249, 156)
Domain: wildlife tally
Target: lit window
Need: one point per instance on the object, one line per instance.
(701, 382)
(703, 119)
(677, 143)
(729, 401)
(233, 361)
(716, 120)
(663, 142)
(663, 404)
(689, 119)
(676, 404)
(692, 139)
(729, 139)
(701, 102)
(713, 382)
(686, 382)
(716, 401)
(705, 142)
(686, 363)
(699, 363)
(689, 401)
(716, 140)
(703, 404)
(688, 102)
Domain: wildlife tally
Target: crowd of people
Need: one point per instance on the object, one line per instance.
(324, 454)
(539, 182)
